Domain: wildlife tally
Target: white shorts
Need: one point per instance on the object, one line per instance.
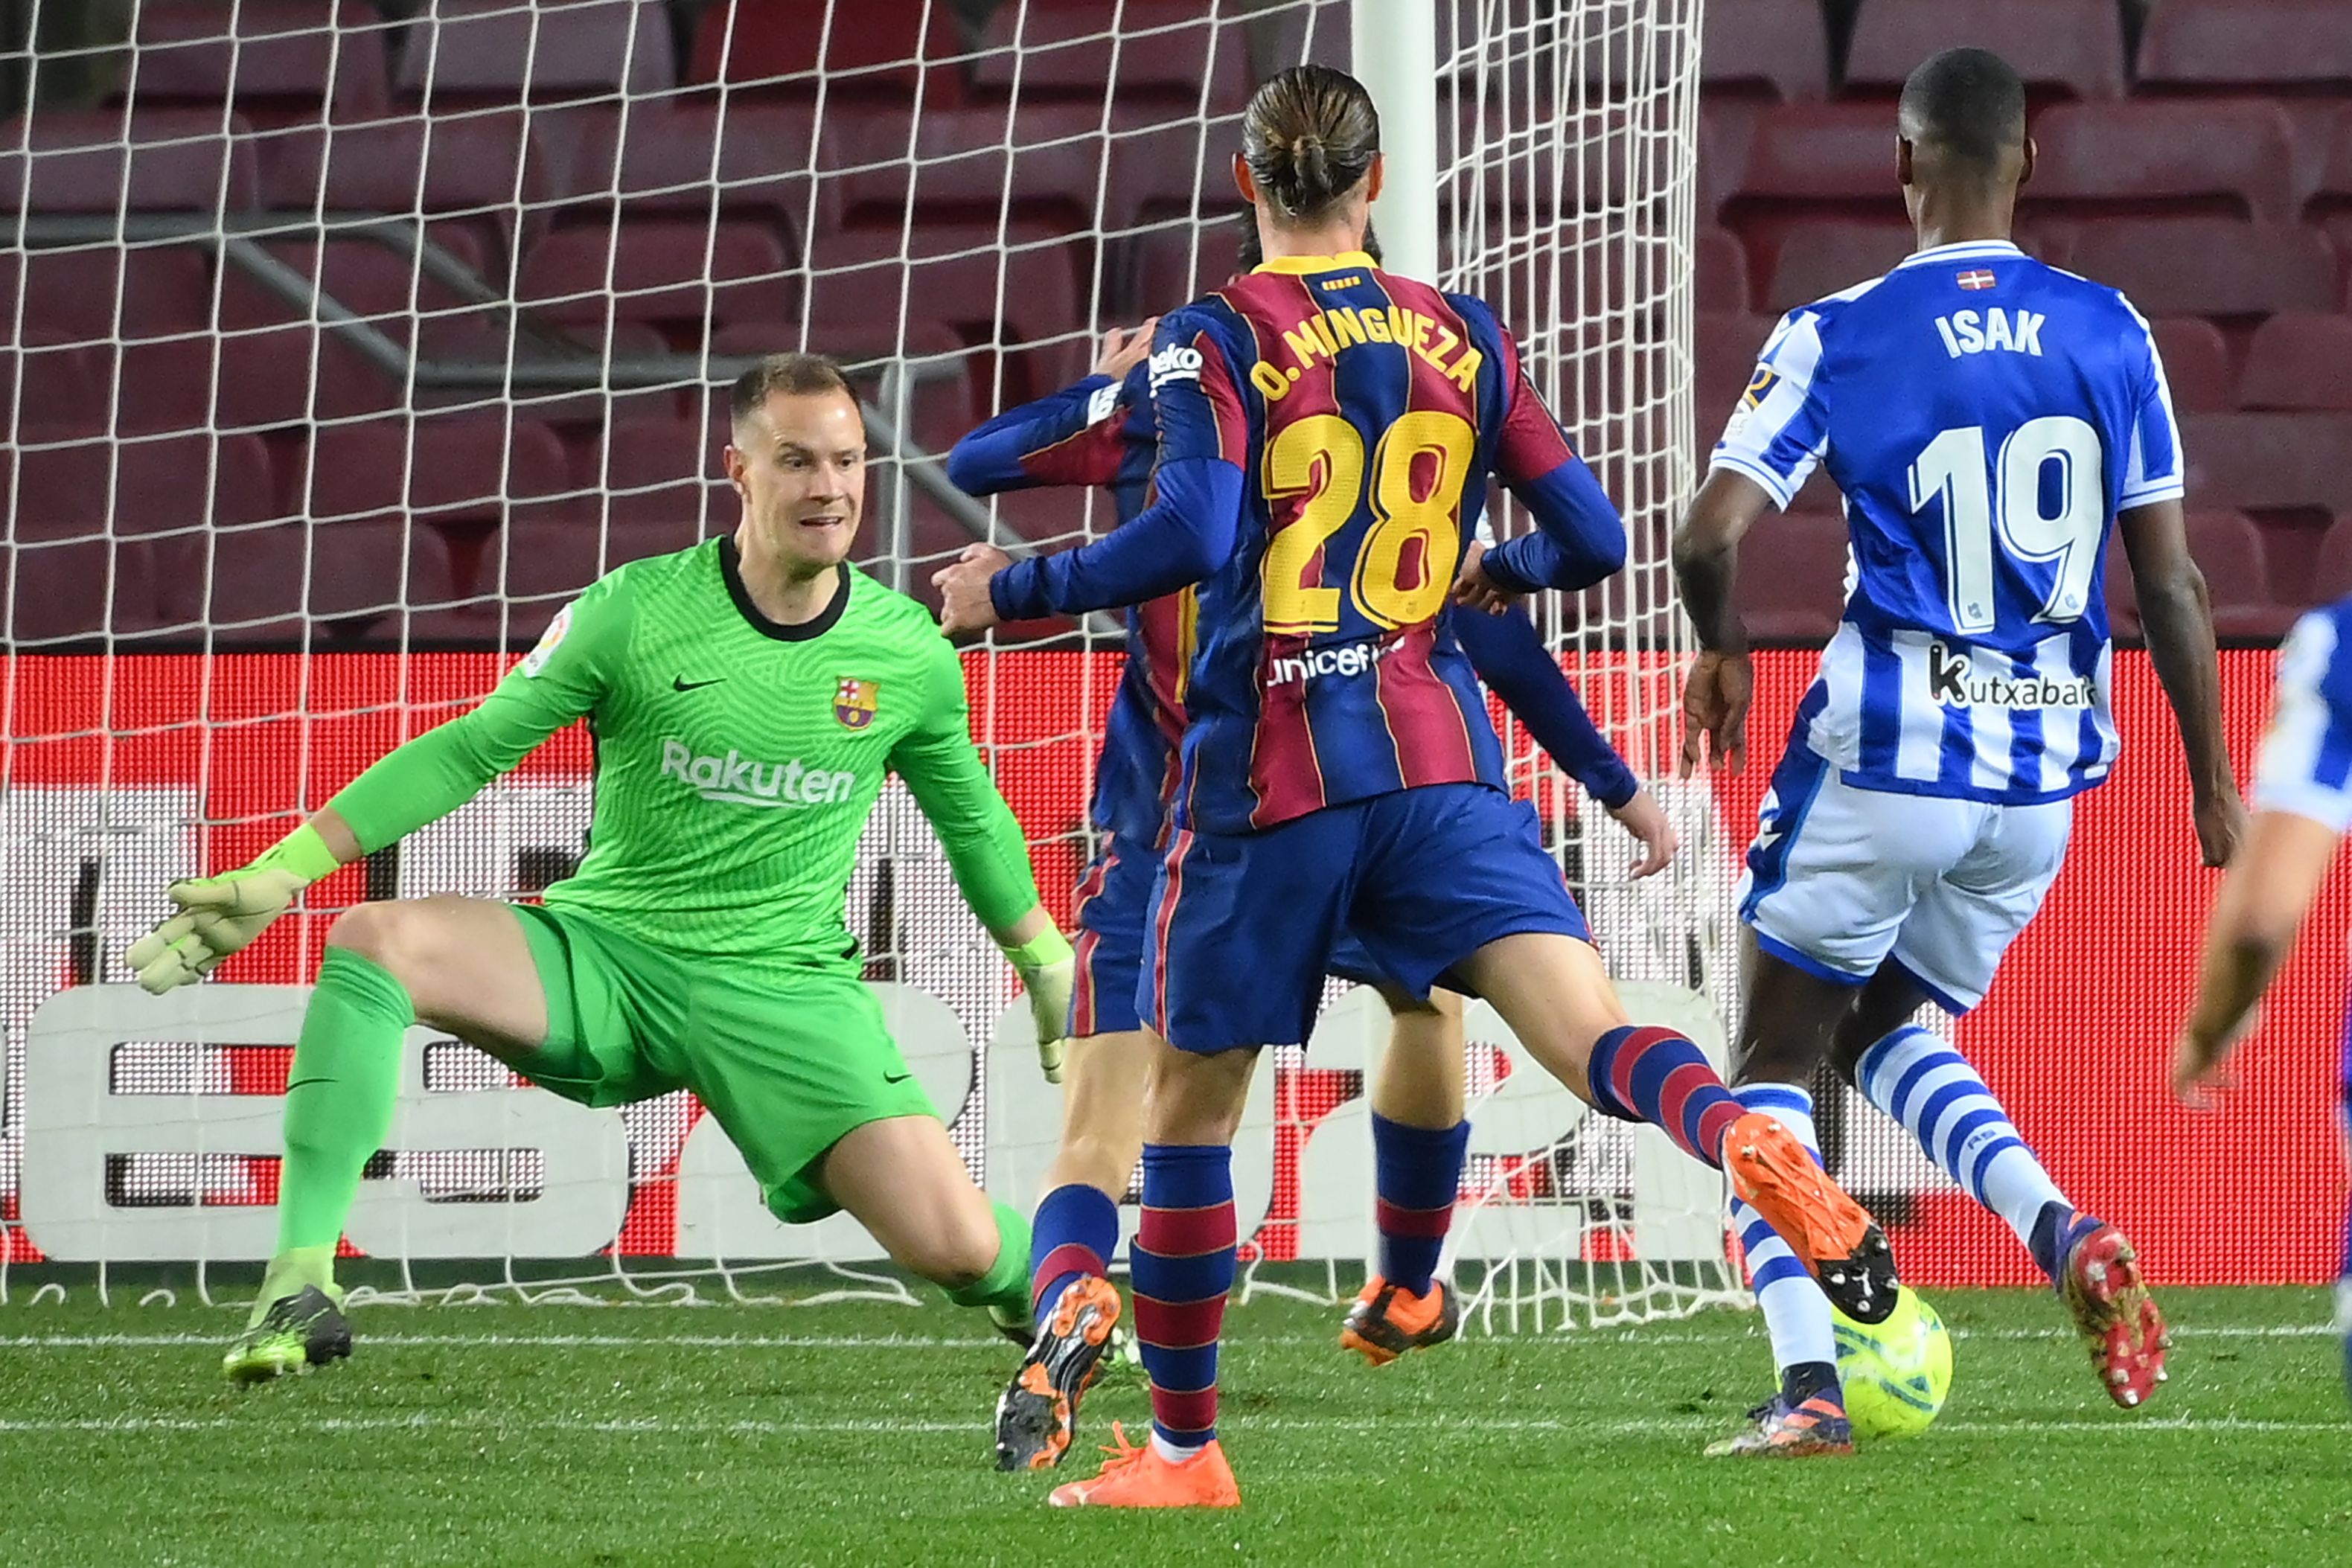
(1839, 879)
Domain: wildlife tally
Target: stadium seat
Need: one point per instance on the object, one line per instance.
(1727, 346)
(1171, 266)
(1170, 170)
(2270, 462)
(1825, 259)
(97, 293)
(176, 493)
(471, 169)
(2332, 576)
(1820, 152)
(1777, 47)
(337, 583)
(2229, 550)
(970, 165)
(688, 271)
(780, 46)
(1173, 50)
(2300, 362)
(494, 51)
(2073, 46)
(656, 472)
(2207, 267)
(1018, 288)
(2228, 158)
(1721, 269)
(72, 585)
(65, 389)
(268, 61)
(102, 162)
(2196, 365)
(667, 156)
(459, 469)
(2191, 44)
(1792, 578)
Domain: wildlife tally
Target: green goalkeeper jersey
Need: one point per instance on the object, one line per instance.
(736, 760)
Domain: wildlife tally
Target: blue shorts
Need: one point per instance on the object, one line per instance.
(1245, 926)
(1113, 909)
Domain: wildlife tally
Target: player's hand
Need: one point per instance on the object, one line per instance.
(1121, 352)
(218, 916)
(2220, 826)
(1646, 820)
(1049, 972)
(1473, 590)
(1715, 711)
(965, 607)
(2199, 1077)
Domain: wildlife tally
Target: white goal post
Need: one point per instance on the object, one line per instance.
(349, 343)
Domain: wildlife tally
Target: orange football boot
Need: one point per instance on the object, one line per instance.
(1135, 1476)
(1832, 1236)
(1389, 1321)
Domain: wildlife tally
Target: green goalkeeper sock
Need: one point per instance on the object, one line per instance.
(1005, 1286)
(339, 1102)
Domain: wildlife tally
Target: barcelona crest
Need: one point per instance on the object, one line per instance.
(854, 702)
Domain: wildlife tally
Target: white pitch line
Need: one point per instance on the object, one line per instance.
(657, 1427)
(1579, 1337)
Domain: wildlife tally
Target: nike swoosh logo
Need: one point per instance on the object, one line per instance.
(300, 1082)
(681, 684)
(895, 1077)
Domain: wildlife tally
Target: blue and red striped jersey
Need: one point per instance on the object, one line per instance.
(1100, 432)
(1364, 413)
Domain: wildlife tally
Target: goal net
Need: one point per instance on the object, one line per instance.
(349, 343)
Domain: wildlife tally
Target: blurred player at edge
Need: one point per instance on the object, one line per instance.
(1100, 432)
(1326, 435)
(748, 697)
(2302, 802)
(1988, 419)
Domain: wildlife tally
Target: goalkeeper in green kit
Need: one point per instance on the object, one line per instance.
(747, 697)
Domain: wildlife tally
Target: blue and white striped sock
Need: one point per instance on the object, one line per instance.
(1930, 1088)
(1796, 1313)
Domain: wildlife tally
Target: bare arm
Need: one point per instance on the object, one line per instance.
(1706, 568)
(2178, 618)
(2265, 897)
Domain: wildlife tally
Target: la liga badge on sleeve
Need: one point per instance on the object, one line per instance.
(854, 702)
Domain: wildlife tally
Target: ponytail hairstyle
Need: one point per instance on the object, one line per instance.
(1309, 137)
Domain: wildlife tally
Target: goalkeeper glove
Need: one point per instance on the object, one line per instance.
(1049, 969)
(220, 914)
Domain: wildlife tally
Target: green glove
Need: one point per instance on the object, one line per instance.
(1049, 970)
(220, 914)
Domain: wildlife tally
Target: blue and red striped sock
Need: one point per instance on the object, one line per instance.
(1418, 1176)
(1074, 1233)
(1183, 1263)
(1641, 1073)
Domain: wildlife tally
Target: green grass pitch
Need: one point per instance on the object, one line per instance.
(849, 1434)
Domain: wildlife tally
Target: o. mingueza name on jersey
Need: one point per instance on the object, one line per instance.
(736, 779)
(1953, 681)
(1327, 333)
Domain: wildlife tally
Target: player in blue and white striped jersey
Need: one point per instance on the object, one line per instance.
(1993, 423)
(2303, 804)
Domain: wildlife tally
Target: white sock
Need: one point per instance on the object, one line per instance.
(1175, 1454)
(1796, 1313)
(1930, 1088)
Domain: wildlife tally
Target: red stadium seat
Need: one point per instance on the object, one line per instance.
(336, 582)
(102, 162)
(2228, 157)
(968, 163)
(1725, 358)
(2300, 362)
(895, 49)
(471, 169)
(1721, 268)
(656, 473)
(269, 60)
(1170, 170)
(669, 156)
(1171, 50)
(2201, 44)
(2207, 267)
(1778, 47)
(73, 586)
(687, 271)
(2279, 462)
(2074, 47)
(1792, 578)
(1176, 265)
(100, 292)
(458, 468)
(2196, 365)
(1820, 152)
(1019, 288)
(1827, 258)
(176, 493)
(497, 51)
(64, 388)
(2228, 547)
(546, 563)
(2332, 577)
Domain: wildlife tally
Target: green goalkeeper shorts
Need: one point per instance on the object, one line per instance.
(789, 1069)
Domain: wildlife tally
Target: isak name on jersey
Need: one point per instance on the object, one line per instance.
(1994, 331)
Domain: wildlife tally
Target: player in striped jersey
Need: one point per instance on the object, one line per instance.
(2302, 803)
(1101, 431)
(1992, 421)
(1327, 430)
